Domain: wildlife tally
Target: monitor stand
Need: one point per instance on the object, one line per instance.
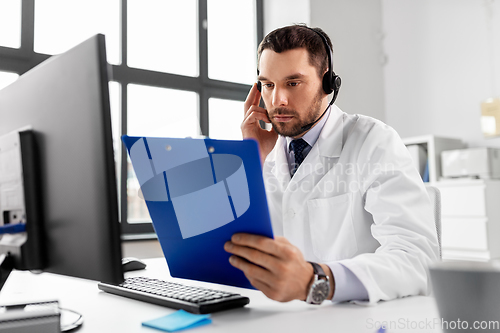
(69, 320)
(6, 266)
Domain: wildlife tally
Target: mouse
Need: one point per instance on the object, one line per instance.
(132, 264)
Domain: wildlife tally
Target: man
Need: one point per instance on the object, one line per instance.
(346, 197)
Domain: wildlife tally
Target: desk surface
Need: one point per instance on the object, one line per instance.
(104, 312)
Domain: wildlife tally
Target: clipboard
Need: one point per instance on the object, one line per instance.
(199, 192)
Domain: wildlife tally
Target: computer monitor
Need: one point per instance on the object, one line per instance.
(65, 100)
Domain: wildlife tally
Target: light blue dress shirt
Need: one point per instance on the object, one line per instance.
(347, 286)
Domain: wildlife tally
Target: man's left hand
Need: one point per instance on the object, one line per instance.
(274, 266)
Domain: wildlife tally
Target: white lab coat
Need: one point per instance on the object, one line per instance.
(357, 199)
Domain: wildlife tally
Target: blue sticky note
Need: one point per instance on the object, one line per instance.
(179, 320)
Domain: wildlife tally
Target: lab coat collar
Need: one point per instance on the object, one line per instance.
(278, 162)
(330, 140)
(329, 144)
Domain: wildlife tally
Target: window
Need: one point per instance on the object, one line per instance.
(177, 69)
(163, 36)
(231, 52)
(72, 22)
(225, 119)
(7, 78)
(156, 111)
(10, 23)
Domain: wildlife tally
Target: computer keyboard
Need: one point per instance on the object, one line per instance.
(175, 295)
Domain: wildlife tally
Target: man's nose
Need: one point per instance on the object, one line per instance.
(280, 97)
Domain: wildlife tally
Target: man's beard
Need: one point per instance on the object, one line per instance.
(285, 129)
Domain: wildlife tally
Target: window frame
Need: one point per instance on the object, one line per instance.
(20, 60)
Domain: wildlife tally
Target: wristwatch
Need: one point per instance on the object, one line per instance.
(320, 287)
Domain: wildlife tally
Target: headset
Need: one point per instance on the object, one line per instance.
(331, 82)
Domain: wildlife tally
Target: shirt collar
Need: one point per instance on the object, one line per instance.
(313, 134)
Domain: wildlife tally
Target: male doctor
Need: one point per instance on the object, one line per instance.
(351, 213)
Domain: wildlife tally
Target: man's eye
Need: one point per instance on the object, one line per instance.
(268, 85)
(293, 84)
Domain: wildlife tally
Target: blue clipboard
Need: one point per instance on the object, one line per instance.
(199, 192)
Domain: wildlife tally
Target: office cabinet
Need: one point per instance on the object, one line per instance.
(470, 219)
(433, 146)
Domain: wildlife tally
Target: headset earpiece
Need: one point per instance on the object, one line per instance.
(337, 82)
(331, 81)
(259, 86)
(328, 83)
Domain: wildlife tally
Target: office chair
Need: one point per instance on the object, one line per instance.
(435, 197)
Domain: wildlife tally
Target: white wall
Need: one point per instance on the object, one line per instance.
(442, 59)
(439, 66)
(355, 29)
(280, 13)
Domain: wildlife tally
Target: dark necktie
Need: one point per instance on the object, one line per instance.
(298, 146)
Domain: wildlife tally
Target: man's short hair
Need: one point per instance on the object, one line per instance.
(298, 36)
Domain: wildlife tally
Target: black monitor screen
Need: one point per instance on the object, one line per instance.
(65, 100)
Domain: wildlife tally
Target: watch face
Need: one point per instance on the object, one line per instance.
(320, 290)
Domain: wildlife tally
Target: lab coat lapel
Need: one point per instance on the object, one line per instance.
(329, 145)
(312, 163)
(330, 141)
(280, 168)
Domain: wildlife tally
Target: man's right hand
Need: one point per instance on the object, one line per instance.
(250, 128)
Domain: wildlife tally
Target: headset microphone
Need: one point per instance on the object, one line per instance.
(331, 81)
(308, 126)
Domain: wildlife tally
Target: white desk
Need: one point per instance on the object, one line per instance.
(104, 312)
